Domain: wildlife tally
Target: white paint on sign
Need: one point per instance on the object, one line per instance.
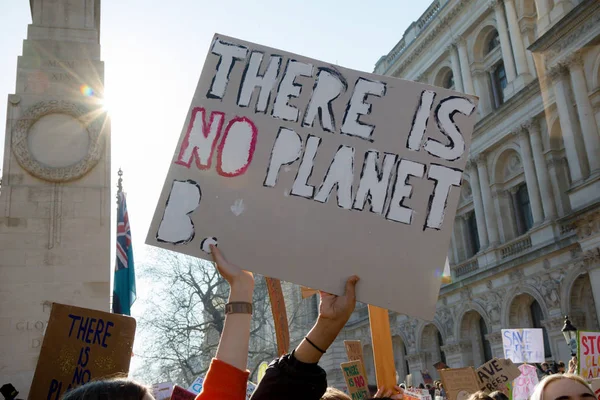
(176, 226)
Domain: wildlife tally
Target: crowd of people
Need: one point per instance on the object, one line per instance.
(297, 375)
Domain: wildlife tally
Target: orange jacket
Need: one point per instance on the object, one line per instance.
(224, 382)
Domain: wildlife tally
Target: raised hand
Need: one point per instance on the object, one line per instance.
(339, 308)
(240, 281)
(395, 393)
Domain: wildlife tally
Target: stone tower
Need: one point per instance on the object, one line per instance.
(55, 196)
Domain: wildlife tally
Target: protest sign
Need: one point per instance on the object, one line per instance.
(355, 380)
(383, 352)
(81, 345)
(427, 379)
(523, 345)
(180, 393)
(326, 166)
(262, 370)
(420, 394)
(440, 365)
(162, 391)
(595, 383)
(523, 385)
(459, 383)
(196, 386)
(354, 352)
(250, 388)
(496, 373)
(307, 292)
(588, 354)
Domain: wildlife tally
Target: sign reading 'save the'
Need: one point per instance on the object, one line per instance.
(338, 172)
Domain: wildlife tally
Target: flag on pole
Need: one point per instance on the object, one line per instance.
(124, 280)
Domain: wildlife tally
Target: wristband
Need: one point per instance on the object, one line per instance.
(314, 345)
(238, 307)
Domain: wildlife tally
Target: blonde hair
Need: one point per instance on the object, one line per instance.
(538, 392)
(334, 394)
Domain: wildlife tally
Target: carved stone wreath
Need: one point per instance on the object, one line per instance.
(79, 111)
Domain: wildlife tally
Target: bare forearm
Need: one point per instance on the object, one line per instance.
(322, 335)
(233, 346)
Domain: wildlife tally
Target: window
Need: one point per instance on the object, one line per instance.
(449, 81)
(473, 234)
(536, 317)
(487, 349)
(493, 42)
(499, 83)
(524, 209)
(441, 343)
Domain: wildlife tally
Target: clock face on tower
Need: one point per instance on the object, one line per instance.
(58, 141)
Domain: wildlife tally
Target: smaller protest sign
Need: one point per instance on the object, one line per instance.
(595, 383)
(383, 351)
(523, 345)
(355, 380)
(588, 354)
(459, 383)
(523, 386)
(81, 345)
(280, 320)
(440, 365)
(307, 292)
(250, 388)
(262, 370)
(421, 394)
(196, 386)
(496, 373)
(162, 391)
(180, 393)
(354, 352)
(427, 379)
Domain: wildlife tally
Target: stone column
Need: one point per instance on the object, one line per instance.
(481, 90)
(516, 39)
(595, 282)
(478, 205)
(542, 170)
(465, 67)
(530, 176)
(543, 12)
(456, 71)
(507, 56)
(417, 362)
(568, 125)
(466, 238)
(458, 355)
(587, 119)
(488, 205)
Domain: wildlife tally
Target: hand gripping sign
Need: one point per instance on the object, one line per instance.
(332, 169)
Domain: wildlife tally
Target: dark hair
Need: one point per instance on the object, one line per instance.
(114, 389)
(497, 395)
(421, 386)
(480, 396)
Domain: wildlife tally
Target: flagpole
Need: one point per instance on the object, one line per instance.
(119, 186)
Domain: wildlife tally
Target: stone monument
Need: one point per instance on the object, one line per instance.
(55, 197)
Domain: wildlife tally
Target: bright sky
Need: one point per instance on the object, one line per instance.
(154, 51)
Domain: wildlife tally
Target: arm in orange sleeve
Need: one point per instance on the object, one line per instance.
(224, 382)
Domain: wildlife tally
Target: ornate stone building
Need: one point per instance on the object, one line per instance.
(526, 244)
(55, 199)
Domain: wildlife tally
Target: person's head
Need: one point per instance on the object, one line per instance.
(545, 366)
(497, 395)
(480, 396)
(421, 386)
(565, 387)
(335, 394)
(114, 389)
(561, 367)
(428, 386)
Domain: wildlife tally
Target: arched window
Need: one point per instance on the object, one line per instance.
(499, 82)
(487, 349)
(405, 360)
(473, 234)
(441, 343)
(523, 210)
(449, 81)
(493, 42)
(536, 318)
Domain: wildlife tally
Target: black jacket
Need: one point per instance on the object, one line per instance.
(289, 379)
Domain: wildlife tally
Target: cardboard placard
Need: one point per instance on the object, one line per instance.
(523, 385)
(355, 380)
(262, 370)
(282, 331)
(196, 386)
(328, 165)
(595, 383)
(523, 345)
(307, 292)
(354, 351)
(81, 345)
(459, 383)
(496, 373)
(180, 393)
(588, 354)
(383, 351)
(421, 394)
(162, 391)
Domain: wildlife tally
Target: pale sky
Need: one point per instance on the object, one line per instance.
(154, 50)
